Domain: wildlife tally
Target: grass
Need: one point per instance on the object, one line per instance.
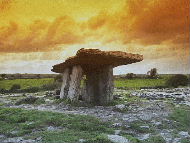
(73, 136)
(25, 83)
(185, 141)
(154, 139)
(182, 117)
(136, 125)
(125, 83)
(138, 83)
(74, 127)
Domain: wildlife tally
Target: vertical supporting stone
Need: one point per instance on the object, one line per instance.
(83, 89)
(99, 86)
(65, 83)
(74, 84)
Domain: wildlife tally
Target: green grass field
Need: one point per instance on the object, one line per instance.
(137, 83)
(25, 83)
(126, 83)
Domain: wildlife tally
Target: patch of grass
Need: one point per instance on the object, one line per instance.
(185, 141)
(131, 138)
(75, 127)
(154, 139)
(132, 99)
(99, 139)
(141, 127)
(73, 103)
(73, 136)
(25, 83)
(40, 101)
(27, 100)
(2, 104)
(126, 99)
(182, 117)
(139, 83)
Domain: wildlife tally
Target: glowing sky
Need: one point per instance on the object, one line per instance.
(36, 34)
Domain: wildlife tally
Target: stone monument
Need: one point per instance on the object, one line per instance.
(95, 68)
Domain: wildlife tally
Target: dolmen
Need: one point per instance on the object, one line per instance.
(89, 74)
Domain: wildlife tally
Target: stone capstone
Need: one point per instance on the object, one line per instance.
(95, 59)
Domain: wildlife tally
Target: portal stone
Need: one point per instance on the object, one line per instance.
(99, 86)
(74, 84)
(65, 84)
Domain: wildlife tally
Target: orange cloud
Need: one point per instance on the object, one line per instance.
(39, 36)
(141, 22)
(5, 5)
(147, 22)
(152, 22)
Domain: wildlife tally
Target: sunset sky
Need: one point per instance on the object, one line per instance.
(36, 34)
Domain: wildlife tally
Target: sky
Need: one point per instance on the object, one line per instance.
(36, 34)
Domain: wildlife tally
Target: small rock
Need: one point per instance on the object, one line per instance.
(157, 123)
(14, 140)
(118, 139)
(82, 140)
(14, 132)
(146, 127)
(57, 97)
(57, 92)
(39, 139)
(145, 117)
(52, 128)
(120, 107)
(2, 136)
(184, 134)
(144, 136)
(117, 125)
(117, 132)
(166, 134)
(49, 101)
(176, 140)
(30, 123)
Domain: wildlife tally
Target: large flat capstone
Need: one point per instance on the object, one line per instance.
(95, 59)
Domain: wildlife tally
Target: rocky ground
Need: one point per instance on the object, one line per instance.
(141, 113)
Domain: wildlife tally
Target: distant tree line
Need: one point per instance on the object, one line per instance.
(150, 74)
(26, 76)
(173, 81)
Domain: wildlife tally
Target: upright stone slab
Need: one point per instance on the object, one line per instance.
(65, 84)
(74, 84)
(99, 86)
